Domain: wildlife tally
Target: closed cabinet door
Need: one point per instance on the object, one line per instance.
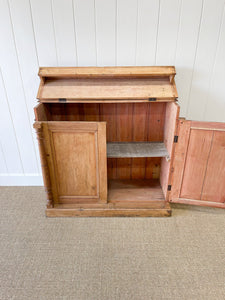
(75, 154)
(198, 172)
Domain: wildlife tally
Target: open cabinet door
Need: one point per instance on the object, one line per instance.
(198, 171)
(73, 156)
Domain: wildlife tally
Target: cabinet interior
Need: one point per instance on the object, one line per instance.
(139, 143)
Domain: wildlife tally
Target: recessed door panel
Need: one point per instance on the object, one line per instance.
(196, 163)
(214, 185)
(77, 159)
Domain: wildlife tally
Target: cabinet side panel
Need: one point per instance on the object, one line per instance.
(213, 188)
(42, 112)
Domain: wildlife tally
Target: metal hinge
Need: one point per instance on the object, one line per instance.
(175, 139)
(151, 99)
(62, 99)
(169, 187)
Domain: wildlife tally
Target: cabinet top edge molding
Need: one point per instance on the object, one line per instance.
(107, 71)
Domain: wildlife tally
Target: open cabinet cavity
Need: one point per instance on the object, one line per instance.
(139, 139)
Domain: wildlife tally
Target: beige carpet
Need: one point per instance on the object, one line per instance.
(182, 257)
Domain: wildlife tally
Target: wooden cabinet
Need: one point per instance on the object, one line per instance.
(111, 144)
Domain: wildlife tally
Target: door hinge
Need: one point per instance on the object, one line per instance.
(62, 100)
(175, 138)
(169, 187)
(151, 99)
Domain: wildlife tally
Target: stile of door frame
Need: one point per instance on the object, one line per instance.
(170, 130)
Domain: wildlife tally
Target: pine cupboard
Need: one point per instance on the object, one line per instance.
(112, 144)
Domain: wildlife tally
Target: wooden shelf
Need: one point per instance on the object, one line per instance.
(136, 149)
(107, 88)
(141, 191)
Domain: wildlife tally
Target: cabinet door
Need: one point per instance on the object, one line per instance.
(198, 172)
(76, 159)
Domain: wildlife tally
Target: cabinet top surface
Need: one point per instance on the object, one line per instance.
(106, 83)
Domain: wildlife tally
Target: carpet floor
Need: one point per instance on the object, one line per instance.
(182, 257)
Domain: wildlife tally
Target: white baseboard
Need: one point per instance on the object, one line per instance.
(21, 179)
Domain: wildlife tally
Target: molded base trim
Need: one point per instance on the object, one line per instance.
(108, 212)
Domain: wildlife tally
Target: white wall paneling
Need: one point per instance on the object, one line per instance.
(127, 12)
(190, 19)
(64, 32)
(169, 15)
(189, 34)
(84, 13)
(148, 17)
(105, 13)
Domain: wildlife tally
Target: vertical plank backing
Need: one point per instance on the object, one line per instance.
(213, 188)
(58, 112)
(155, 131)
(139, 134)
(73, 112)
(196, 161)
(124, 134)
(108, 114)
(91, 112)
(170, 129)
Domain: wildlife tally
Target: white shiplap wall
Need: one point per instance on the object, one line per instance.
(189, 34)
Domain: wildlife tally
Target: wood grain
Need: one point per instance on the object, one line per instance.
(106, 71)
(106, 88)
(196, 162)
(119, 212)
(124, 134)
(180, 152)
(213, 188)
(135, 190)
(83, 146)
(139, 134)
